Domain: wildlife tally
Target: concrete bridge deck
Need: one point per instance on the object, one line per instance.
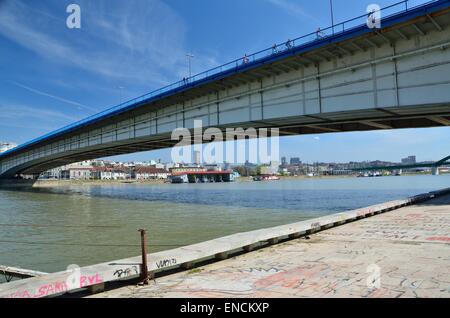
(411, 247)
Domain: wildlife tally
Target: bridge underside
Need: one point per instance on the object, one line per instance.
(394, 78)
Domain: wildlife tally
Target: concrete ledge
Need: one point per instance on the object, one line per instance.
(185, 257)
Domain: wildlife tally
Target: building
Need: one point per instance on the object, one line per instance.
(204, 177)
(169, 166)
(103, 173)
(295, 161)
(122, 173)
(187, 169)
(5, 146)
(150, 173)
(293, 170)
(213, 167)
(52, 174)
(271, 169)
(197, 157)
(79, 173)
(76, 171)
(284, 161)
(249, 164)
(411, 160)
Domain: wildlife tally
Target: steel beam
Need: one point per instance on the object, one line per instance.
(402, 35)
(419, 30)
(440, 120)
(327, 129)
(357, 46)
(376, 125)
(435, 23)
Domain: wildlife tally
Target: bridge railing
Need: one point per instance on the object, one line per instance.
(237, 64)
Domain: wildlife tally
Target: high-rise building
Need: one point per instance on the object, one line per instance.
(295, 161)
(197, 157)
(283, 161)
(411, 160)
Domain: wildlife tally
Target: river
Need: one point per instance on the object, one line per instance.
(49, 229)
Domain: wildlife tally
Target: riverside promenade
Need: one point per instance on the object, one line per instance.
(408, 247)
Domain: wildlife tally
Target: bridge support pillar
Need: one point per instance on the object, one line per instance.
(435, 171)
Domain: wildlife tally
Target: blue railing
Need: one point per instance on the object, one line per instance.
(245, 61)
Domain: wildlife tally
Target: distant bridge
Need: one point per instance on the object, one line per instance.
(348, 77)
(434, 165)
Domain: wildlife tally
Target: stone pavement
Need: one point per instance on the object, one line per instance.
(408, 247)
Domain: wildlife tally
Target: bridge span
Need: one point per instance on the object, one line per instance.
(433, 165)
(348, 77)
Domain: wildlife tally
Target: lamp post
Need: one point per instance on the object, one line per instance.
(332, 15)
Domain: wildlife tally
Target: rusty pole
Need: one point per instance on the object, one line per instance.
(144, 267)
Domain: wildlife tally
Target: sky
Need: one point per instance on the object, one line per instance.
(51, 76)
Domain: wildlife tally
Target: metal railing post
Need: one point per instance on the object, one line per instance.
(144, 267)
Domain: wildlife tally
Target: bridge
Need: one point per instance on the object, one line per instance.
(434, 166)
(347, 77)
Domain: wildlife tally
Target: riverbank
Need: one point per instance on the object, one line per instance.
(83, 183)
(65, 183)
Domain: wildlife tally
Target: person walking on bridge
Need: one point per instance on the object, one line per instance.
(275, 49)
(289, 44)
(245, 59)
(319, 34)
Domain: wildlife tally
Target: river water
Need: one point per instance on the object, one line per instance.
(49, 229)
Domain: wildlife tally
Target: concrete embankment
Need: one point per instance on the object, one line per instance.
(295, 257)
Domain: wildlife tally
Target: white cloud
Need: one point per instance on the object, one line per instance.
(141, 41)
(26, 114)
(64, 100)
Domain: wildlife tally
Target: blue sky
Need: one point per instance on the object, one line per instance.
(51, 76)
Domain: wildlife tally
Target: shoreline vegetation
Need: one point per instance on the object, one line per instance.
(62, 183)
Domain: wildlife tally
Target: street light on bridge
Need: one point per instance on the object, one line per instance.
(332, 15)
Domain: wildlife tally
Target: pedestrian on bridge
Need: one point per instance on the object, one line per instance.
(245, 60)
(289, 44)
(275, 49)
(319, 34)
